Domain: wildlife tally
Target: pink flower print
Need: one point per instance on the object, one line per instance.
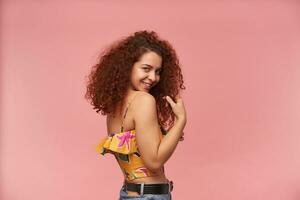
(125, 138)
(143, 170)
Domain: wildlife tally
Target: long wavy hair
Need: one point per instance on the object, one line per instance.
(109, 79)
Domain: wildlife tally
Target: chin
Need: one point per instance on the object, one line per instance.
(140, 89)
(143, 90)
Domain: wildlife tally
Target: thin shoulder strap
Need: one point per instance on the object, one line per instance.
(123, 119)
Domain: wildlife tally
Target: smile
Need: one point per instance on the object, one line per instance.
(147, 84)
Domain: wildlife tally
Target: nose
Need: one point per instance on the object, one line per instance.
(152, 77)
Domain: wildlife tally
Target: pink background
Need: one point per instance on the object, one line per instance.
(241, 63)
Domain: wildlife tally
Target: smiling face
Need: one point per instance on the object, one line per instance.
(146, 72)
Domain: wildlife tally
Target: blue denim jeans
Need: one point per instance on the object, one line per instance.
(124, 195)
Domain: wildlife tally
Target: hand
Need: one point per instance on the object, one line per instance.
(177, 107)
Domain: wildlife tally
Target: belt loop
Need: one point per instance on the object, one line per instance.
(142, 189)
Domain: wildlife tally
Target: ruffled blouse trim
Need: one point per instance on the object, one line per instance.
(124, 143)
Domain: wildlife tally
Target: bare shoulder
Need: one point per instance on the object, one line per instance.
(144, 102)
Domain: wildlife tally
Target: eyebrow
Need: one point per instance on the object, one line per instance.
(151, 66)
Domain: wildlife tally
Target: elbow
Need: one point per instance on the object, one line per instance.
(154, 166)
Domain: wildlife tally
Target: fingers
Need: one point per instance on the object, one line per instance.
(170, 101)
(177, 97)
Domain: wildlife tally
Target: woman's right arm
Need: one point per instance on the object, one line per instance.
(156, 152)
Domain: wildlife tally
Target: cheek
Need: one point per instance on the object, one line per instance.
(141, 75)
(137, 76)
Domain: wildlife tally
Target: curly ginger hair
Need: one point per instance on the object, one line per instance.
(109, 79)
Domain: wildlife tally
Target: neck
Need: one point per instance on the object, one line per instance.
(129, 92)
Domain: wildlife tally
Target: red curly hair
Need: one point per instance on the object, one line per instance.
(109, 79)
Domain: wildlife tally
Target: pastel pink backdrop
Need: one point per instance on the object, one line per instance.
(240, 61)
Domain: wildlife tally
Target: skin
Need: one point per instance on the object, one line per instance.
(154, 151)
(146, 72)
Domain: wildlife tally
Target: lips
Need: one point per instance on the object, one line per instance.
(147, 84)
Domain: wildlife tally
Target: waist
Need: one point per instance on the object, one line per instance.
(147, 188)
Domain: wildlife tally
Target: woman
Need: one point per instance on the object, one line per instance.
(134, 84)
